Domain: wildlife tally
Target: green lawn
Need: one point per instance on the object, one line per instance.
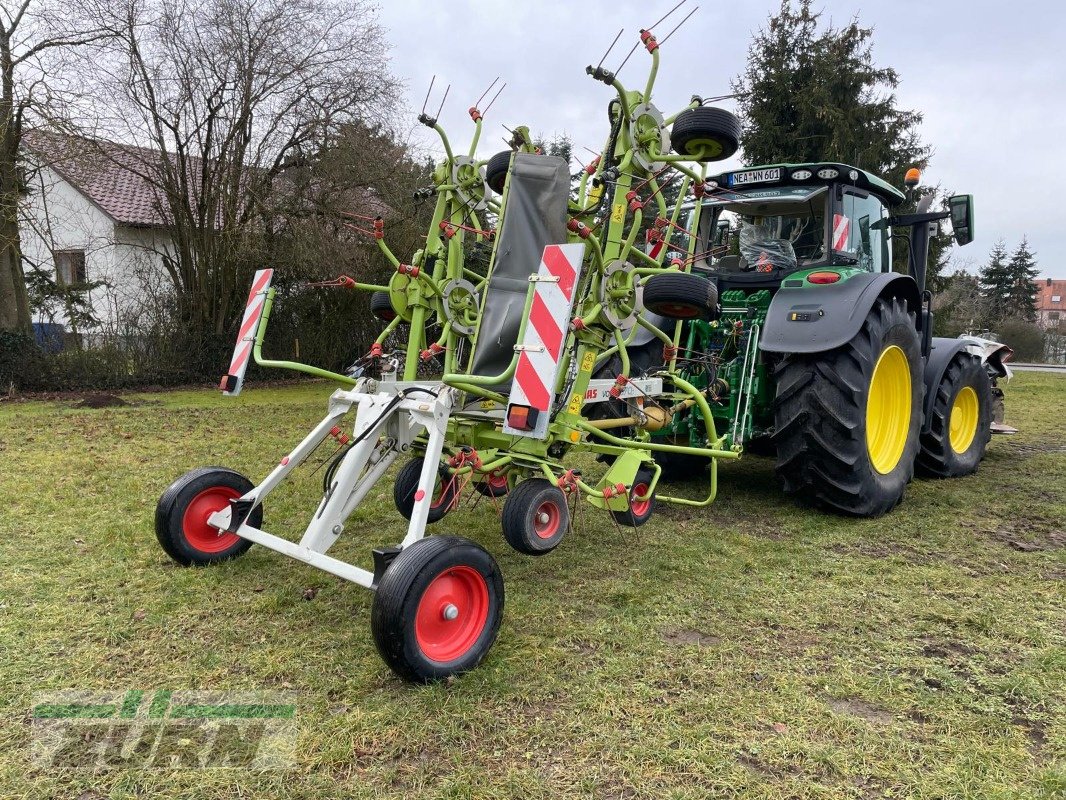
(753, 649)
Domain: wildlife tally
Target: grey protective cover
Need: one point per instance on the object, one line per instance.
(535, 216)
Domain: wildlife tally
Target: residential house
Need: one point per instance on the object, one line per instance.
(1050, 302)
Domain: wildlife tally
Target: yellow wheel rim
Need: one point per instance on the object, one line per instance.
(888, 410)
(963, 425)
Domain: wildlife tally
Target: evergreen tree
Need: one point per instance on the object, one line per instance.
(995, 282)
(1021, 294)
(811, 95)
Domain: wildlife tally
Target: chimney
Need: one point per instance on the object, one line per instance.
(1049, 281)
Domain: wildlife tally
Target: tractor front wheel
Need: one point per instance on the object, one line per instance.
(847, 421)
(437, 608)
(960, 424)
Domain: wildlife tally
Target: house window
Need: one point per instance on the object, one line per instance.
(1055, 298)
(1053, 316)
(70, 267)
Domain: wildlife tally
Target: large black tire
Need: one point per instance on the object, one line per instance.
(437, 608)
(638, 512)
(960, 424)
(381, 306)
(826, 450)
(705, 134)
(182, 512)
(496, 170)
(681, 295)
(535, 517)
(403, 491)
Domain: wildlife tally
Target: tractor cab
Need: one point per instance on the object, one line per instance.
(757, 226)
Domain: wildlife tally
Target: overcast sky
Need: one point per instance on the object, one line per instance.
(989, 77)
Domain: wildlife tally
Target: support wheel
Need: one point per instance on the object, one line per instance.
(406, 487)
(681, 295)
(182, 512)
(381, 306)
(535, 517)
(705, 134)
(437, 608)
(847, 421)
(639, 511)
(960, 424)
(495, 485)
(496, 170)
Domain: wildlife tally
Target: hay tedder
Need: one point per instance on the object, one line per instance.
(607, 323)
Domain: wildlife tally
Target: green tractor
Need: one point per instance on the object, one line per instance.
(821, 355)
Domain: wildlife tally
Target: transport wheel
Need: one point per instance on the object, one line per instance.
(639, 511)
(681, 296)
(496, 170)
(847, 421)
(494, 486)
(406, 485)
(182, 512)
(381, 306)
(961, 420)
(535, 517)
(705, 134)
(437, 608)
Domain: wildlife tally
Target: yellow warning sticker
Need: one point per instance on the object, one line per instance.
(618, 212)
(588, 361)
(575, 404)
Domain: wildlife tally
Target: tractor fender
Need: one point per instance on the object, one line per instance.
(940, 356)
(814, 319)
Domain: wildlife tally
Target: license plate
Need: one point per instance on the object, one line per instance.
(755, 176)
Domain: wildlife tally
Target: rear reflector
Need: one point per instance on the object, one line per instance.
(823, 277)
(522, 418)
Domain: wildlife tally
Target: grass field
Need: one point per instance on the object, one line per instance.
(754, 649)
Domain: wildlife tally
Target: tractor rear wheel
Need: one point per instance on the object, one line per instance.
(496, 170)
(847, 421)
(960, 424)
(705, 134)
(437, 608)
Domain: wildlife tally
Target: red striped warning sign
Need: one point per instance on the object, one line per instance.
(233, 381)
(841, 226)
(542, 343)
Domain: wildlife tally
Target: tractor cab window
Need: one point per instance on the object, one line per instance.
(860, 232)
(773, 231)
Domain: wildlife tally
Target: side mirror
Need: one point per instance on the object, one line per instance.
(961, 208)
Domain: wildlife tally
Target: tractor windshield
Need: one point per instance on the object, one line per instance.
(772, 231)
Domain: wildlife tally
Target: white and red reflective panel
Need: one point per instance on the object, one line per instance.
(841, 227)
(233, 380)
(540, 350)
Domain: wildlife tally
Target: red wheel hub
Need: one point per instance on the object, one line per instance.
(452, 613)
(679, 310)
(498, 480)
(546, 519)
(198, 533)
(639, 507)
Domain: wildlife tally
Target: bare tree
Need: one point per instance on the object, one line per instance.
(224, 94)
(36, 37)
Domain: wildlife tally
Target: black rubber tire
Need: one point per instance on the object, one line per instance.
(496, 170)
(681, 296)
(406, 484)
(681, 467)
(936, 457)
(394, 616)
(820, 418)
(526, 501)
(490, 490)
(629, 517)
(175, 501)
(381, 306)
(705, 134)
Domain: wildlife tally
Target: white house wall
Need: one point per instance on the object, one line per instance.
(56, 216)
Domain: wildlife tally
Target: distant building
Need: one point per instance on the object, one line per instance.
(1050, 302)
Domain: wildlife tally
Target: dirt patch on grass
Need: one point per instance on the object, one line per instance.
(867, 549)
(100, 400)
(1039, 533)
(854, 707)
